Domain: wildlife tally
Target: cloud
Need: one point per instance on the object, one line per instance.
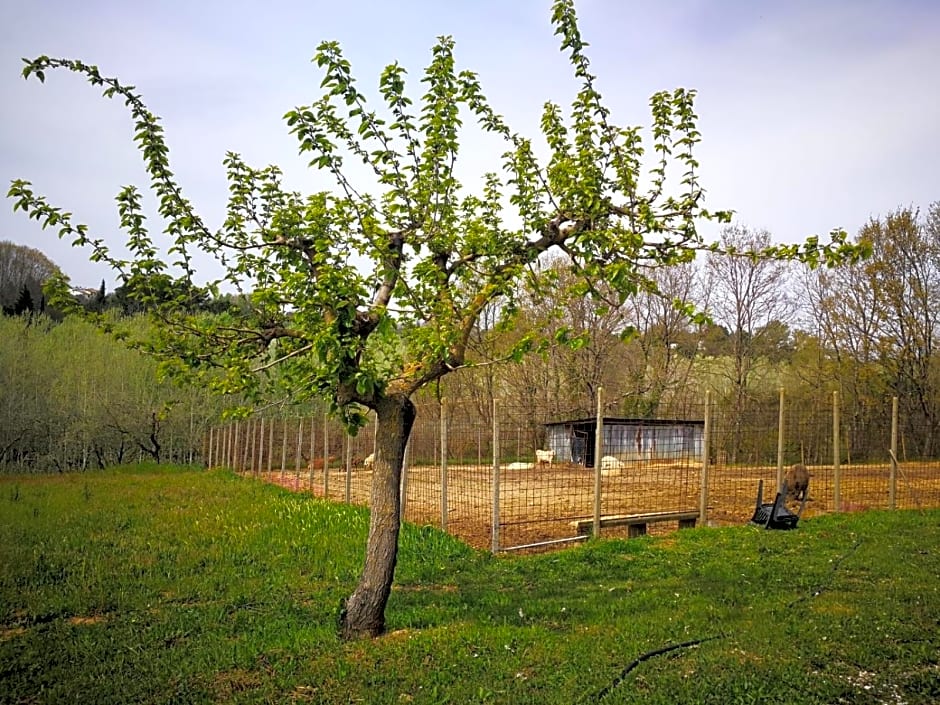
(814, 115)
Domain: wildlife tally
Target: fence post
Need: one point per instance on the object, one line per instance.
(255, 438)
(251, 443)
(780, 445)
(260, 447)
(313, 453)
(246, 449)
(235, 448)
(326, 455)
(349, 455)
(232, 443)
(893, 480)
(403, 487)
(284, 451)
(270, 447)
(300, 446)
(495, 514)
(245, 452)
(375, 435)
(443, 407)
(209, 449)
(598, 453)
(836, 455)
(706, 442)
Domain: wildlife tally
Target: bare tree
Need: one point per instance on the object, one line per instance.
(663, 348)
(22, 267)
(747, 294)
(906, 273)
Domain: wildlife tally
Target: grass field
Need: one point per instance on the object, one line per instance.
(169, 585)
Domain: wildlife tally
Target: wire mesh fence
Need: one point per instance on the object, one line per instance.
(499, 478)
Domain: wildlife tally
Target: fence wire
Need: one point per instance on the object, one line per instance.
(471, 466)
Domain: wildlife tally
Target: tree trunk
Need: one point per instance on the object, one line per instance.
(364, 612)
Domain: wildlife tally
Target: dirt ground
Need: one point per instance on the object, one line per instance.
(540, 504)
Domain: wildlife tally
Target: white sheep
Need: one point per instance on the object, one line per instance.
(369, 461)
(611, 466)
(544, 457)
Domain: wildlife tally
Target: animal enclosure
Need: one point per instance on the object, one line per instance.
(473, 469)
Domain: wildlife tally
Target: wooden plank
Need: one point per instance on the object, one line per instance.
(637, 523)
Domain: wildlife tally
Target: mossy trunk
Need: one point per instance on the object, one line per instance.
(364, 612)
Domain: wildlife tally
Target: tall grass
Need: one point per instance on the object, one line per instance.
(168, 585)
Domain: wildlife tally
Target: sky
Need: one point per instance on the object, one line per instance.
(815, 114)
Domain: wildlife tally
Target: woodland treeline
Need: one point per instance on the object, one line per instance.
(73, 397)
(867, 331)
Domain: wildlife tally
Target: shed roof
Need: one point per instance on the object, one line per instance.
(621, 421)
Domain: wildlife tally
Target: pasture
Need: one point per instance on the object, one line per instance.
(163, 585)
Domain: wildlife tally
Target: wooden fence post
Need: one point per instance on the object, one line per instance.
(349, 457)
(284, 451)
(703, 480)
(443, 407)
(215, 432)
(326, 455)
(313, 453)
(256, 445)
(780, 422)
(495, 512)
(836, 455)
(403, 487)
(223, 456)
(300, 447)
(235, 448)
(260, 447)
(893, 479)
(598, 453)
(251, 443)
(375, 435)
(270, 447)
(245, 450)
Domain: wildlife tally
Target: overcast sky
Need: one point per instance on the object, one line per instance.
(815, 114)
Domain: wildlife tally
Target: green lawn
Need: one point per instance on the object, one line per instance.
(172, 585)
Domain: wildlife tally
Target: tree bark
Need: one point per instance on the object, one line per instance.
(364, 612)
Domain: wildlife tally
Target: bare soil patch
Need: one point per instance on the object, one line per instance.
(540, 503)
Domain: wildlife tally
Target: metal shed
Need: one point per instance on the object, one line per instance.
(625, 439)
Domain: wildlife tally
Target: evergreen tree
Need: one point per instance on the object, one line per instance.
(24, 302)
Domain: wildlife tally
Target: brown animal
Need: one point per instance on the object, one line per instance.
(317, 463)
(797, 482)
